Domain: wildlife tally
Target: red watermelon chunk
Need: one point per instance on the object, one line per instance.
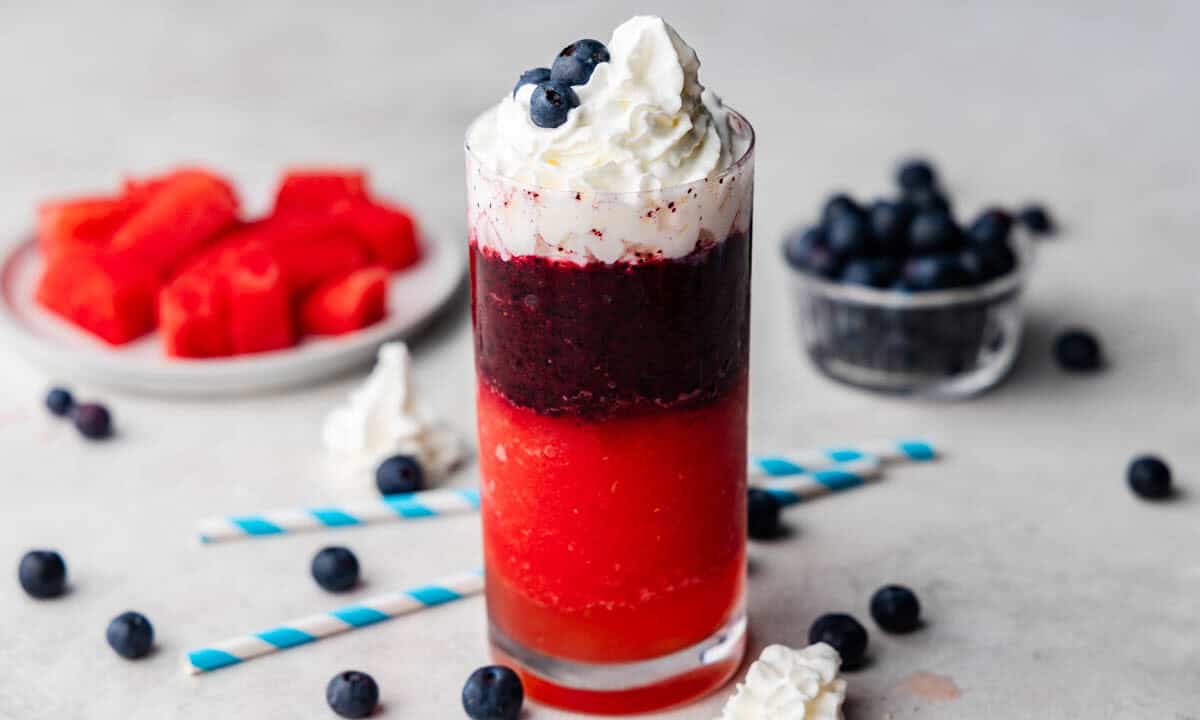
(100, 292)
(260, 304)
(80, 222)
(346, 304)
(187, 211)
(389, 233)
(193, 315)
(319, 189)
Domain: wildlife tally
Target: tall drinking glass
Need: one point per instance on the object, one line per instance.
(611, 395)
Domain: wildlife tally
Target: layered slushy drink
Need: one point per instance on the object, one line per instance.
(610, 206)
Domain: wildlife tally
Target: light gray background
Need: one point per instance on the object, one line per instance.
(1050, 591)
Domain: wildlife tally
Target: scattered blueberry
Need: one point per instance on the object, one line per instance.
(92, 420)
(935, 272)
(896, 609)
(399, 474)
(493, 693)
(550, 103)
(876, 272)
(916, 173)
(763, 509)
(1077, 351)
(848, 233)
(60, 401)
(991, 228)
(42, 573)
(933, 232)
(1150, 477)
(575, 64)
(535, 76)
(845, 634)
(352, 694)
(131, 635)
(1037, 219)
(889, 226)
(799, 245)
(836, 206)
(928, 198)
(335, 569)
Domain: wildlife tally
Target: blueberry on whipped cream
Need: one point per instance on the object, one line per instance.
(787, 684)
(575, 64)
(550, 103)
(535, 76)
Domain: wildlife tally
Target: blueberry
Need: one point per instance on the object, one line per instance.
(131, 635)
(935, 272)
(493, 693)
(848, 234)
(837, 205)
(763, 511)
(799, 244)
(1150, 477)
(399, 474)
(889, 225)
(42, 573)
(335, 569)
(60, 401)
(991, 228)
(550, 104)
(575, 64)
(845, 634)
(92, 420)
(928, 198)
(535, 76)
(933, 232)
(824, 262)
(1077, 351)
(916, 173)
(877, 272)
(1037, 219)
(352, 694)
(986, 263)
(896, 609)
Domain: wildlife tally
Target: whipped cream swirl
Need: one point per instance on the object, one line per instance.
(787, 684)
(643, 122)
(382, 418)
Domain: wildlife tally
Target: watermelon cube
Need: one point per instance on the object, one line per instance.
(346, 304)
(319, 189)
(260, 303)
(101, 292)
(193, 312)
(81, 222)
(388, 232)
(188, 211)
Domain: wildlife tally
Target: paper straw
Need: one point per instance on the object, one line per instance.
(808, 460)
(315, 627)
(390, 508)
(801, 487)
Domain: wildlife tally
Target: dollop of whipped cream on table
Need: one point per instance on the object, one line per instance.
(383, 418)
(643, 122)
(787, 684)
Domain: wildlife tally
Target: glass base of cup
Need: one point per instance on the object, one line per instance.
(621, 688)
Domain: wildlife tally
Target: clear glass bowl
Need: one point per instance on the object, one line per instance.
(943, 344)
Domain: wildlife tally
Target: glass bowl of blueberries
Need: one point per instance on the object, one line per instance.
(897, 296)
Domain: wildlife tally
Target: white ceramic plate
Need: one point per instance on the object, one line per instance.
(414, 297)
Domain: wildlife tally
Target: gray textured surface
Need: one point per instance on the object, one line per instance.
(1050, 591)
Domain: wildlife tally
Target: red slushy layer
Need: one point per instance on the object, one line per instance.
(615, 540)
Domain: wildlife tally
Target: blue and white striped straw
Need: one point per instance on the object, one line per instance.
(805, 486)
(315, 627)
(391, 508)
(809, 460)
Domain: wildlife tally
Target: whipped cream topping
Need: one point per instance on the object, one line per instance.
(787, 684)
(383, 418)
(646, 166)
(644, 122)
